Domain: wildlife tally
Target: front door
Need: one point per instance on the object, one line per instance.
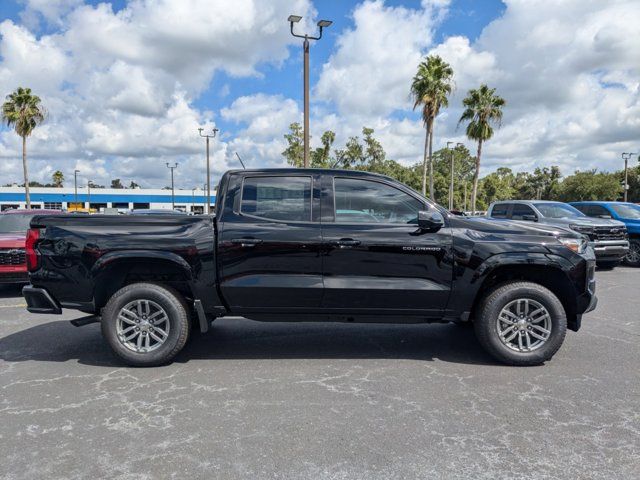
(269, 244)
(376, 259)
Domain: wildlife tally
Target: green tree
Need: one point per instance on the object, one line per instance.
(321, 157)
(499, 185)
(58, 178)
(133, 184)
(23, 111)
(430, 89)
(116, 183)
(590, 185)
(462, 173)
(294, 153)
(482, 109)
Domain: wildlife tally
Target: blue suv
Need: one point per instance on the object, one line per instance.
(628, 213)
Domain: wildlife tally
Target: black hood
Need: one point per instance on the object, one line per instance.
(510, 227)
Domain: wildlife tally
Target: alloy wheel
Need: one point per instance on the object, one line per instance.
(524, 325)
(142, 326)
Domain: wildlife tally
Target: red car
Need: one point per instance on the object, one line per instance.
(13, 233)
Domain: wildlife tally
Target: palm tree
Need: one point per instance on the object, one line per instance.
(431, 88)
(23, 111)
(57, 178)
(482, 109)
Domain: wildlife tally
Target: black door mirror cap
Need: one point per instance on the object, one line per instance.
(430, 220)
(530, 218)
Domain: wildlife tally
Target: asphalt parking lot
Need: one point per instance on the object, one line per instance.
(322, 401)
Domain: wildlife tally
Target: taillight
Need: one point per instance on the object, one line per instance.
(33, 235)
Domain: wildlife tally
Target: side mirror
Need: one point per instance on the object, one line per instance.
(605, 216)
(530, 218)
(430, 220)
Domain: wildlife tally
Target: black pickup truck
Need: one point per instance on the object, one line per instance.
(312, 245)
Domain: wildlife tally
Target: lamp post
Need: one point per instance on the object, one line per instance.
(172, 168)
(626, 156)
(305, 48)
(89, 196)
(451, 173)
(75, 187)
(208, 136)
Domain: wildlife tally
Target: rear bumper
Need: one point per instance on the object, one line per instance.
(13, 277)
(39, 300)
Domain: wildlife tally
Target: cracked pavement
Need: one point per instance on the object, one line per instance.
(322, 401)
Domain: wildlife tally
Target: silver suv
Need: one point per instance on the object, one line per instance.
(607, 237)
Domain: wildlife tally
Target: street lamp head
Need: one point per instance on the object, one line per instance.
(324, 23)
(294, 18)
(200, 129)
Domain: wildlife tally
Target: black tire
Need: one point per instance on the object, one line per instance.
(633, 257)
(178, 318)
(607, 264)
(487, 330)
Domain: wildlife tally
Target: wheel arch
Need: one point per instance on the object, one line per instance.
(551, 273)
(118, 269)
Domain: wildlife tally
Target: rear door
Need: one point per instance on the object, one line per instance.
(269, 243)
(376, 259)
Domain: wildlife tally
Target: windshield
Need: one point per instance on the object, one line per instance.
(627, 211)
(15, 222)
(558, 210)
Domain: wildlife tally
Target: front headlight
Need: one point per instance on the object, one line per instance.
(577, 245)
(581, 228)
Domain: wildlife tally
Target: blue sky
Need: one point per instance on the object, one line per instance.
(125, 87)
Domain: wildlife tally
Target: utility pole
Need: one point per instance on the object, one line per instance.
(89, 196)
(465, 197)
(75, 187)
(173, 202)
(626, 156)
(305, 48)
(451, 174)
(208, 136)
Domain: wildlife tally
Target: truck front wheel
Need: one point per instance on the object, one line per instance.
(521, 323)
(146, 324)
(633, 257)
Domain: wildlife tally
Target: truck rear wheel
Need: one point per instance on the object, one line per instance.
(521, 323)
(146, 324)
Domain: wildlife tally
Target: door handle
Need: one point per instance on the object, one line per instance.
(246, 242)
(347, 242)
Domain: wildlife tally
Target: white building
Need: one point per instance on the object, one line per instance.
(101, 198)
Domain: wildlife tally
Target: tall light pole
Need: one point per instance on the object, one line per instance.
(626, 156)
(172, 168)
(451, 173)
(75, 187)
(208, 136)
(305, 47)
(89, 196)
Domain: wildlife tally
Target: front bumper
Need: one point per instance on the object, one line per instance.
(613, 250)
(40, 301)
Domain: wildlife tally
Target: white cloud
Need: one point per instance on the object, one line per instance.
(119, 86)
(371, 69)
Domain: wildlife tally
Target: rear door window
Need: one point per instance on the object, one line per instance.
(283, 198)
(520, 211)
(500, 210)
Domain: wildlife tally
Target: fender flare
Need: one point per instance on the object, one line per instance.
(519, 258)
(112, 257)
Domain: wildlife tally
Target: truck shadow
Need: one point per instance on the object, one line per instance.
(11, 290)
(241, 339)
